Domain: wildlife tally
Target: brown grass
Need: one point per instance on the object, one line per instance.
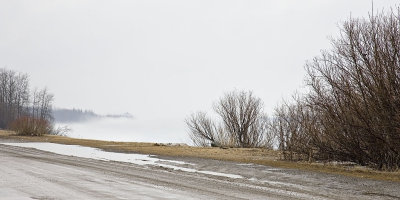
(243, 155)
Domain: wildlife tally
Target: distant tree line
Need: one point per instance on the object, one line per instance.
(22, 110)
(73, 115)
(351, 112)
(63, 115)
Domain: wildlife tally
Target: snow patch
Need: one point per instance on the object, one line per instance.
(94, 153)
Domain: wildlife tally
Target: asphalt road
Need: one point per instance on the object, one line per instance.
(27, 173)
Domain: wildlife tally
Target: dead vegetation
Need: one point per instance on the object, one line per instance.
(352, 110)
(242, 123)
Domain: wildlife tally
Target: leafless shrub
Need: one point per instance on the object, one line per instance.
(31, 126)
(352, 112)
(295, 124)
(203, 131)
(61, 131)
(269, 136)
(243, 123)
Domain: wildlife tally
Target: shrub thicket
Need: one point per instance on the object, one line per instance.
(352, 112)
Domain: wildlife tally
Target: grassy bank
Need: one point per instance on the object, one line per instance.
(244, 155)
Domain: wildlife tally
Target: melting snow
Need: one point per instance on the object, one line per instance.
(94, 153)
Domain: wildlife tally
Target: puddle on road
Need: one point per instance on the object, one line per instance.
(94, 153)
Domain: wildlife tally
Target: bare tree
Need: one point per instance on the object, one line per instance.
(295, 123)
(241, 114)
(243, 123)
(42, 105)
(14, 96)
(268, 139)
(26, 114)
(203, 131)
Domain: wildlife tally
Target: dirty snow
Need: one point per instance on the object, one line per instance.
(94, 153)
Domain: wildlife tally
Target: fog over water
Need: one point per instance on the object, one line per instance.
(129, 130)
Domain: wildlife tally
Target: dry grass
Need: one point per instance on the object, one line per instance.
(244, 155)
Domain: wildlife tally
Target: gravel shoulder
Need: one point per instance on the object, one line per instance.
(28, 173)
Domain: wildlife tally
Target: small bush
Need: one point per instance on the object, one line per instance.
(31, 126)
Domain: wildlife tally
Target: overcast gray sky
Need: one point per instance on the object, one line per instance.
(167, 58)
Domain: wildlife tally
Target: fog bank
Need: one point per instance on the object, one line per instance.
(130, 130)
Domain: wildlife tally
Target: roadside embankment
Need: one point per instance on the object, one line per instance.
(243, 155)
